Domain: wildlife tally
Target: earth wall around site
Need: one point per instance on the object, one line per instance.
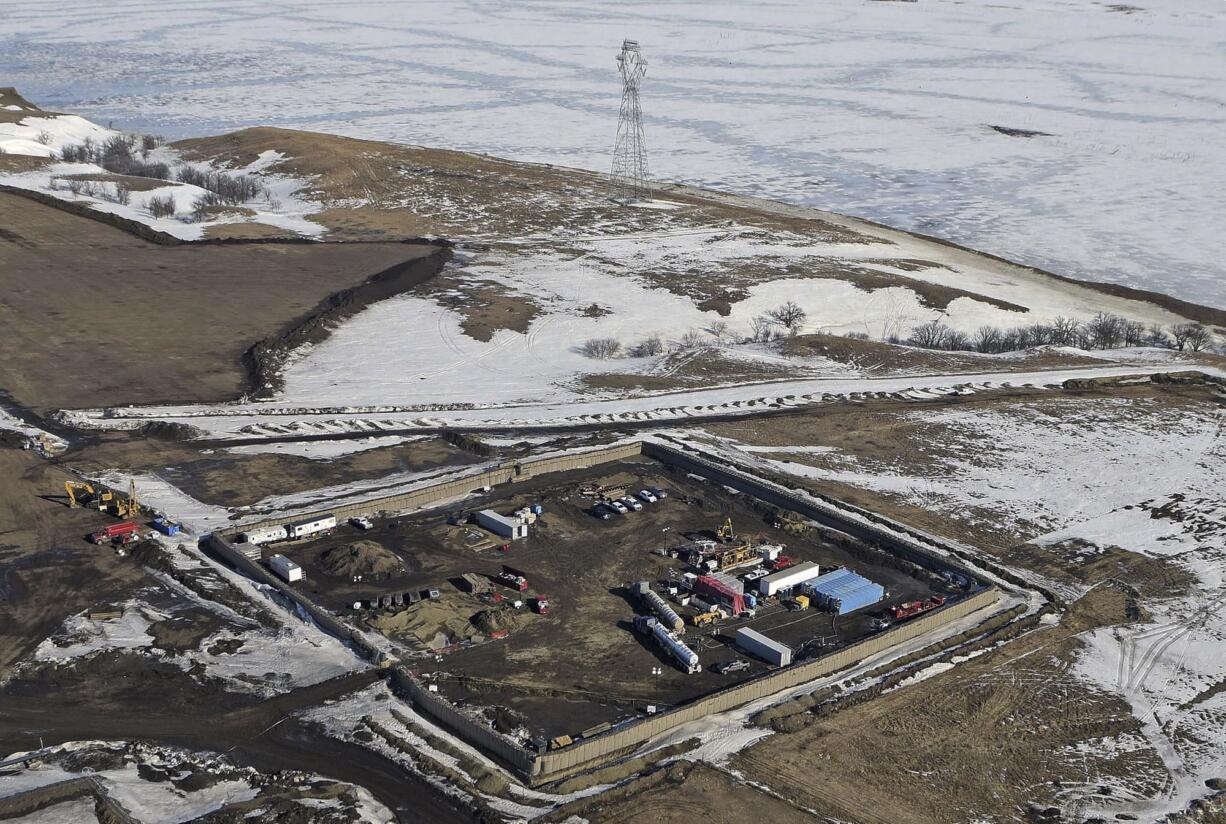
(542, 768)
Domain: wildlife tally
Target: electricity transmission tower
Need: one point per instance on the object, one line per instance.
(629, 175)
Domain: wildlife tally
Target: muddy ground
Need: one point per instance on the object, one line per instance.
(583, 663)
(48, 571)
(95, 316)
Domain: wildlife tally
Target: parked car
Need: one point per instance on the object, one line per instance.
(646, 496)
(731, 666)
(617, 506)
(658, 492)
(602, 512)
(362, 522)
(630, 503)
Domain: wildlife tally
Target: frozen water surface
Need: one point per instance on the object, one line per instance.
(883, 110)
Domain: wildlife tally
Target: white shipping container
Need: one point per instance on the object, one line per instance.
(757, 644)
(502, 525)
(788, 578)
(285, 568)
(311, 527)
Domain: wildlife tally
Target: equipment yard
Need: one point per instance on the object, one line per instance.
(493, 649)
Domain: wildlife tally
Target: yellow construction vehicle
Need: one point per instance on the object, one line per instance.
(127, 507)
(725, 533)
(705, 619)
(79, 493)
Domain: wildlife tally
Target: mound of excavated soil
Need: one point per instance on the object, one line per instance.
(361, 558)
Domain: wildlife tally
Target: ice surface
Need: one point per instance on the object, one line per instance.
(884, 110)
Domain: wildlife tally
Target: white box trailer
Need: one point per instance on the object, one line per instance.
(788, 578)
(263, 534)
(759, 646)
(286, 569)
(512, 528)
(314, 526)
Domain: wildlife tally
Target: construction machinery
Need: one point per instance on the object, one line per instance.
(725, 533)
(910, 609)
(125, 532)
(706, 619)
(79, 493)
(127, 507)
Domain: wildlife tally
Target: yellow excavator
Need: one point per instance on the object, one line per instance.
(725, 533)
(86, 493)
(81, 493)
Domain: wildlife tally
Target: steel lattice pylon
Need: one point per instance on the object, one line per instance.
(629, 175)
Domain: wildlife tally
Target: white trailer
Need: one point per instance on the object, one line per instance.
(758, 645)
(788, 578)
(263, 534)
(285, 568)
(314, 526)
(512, 528)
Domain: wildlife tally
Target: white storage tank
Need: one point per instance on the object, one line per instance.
(285, 568)
(512, 528)
(312, 526)
(758, 645)
(263, 534)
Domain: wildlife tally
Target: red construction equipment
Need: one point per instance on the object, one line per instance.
(910, 609)
(516, 582)
(110, 533)
(540, 605)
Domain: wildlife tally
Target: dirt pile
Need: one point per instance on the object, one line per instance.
(361, 559)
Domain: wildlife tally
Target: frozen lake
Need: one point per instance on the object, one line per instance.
(879, 109)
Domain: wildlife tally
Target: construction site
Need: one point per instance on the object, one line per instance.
(568, 604)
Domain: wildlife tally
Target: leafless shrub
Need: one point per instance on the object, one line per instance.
(694, 339)
(233, 189)
(601, 348)
(162, 206)
(648, 348)
(123, 194)
(45, 138)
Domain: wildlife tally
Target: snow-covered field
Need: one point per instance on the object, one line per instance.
(878, 109)
(1134, 474)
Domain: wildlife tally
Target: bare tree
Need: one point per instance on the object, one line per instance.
(719, 329)
(1065, 331)
(1191, 336)
(45, 138)
(1157, 336)
(789, 315)
(760, 329)
(987, 339)
(930, 335)
(1132, 333)
(1105, 331)
(123, 194)
(601, 348)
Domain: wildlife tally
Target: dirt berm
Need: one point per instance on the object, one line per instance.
(365, 559)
